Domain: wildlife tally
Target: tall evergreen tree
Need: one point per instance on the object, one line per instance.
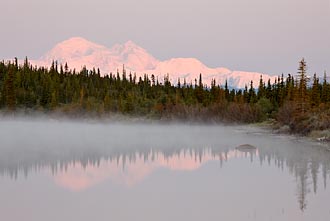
(302, 95)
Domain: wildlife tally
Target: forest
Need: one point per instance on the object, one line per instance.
(297, 100)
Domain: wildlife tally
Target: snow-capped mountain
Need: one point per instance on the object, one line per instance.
(78, 52)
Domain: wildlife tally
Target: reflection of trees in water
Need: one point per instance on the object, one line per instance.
(18, 163)
(302, 186)
(304, 162)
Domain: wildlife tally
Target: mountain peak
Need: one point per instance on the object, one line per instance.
(77, 42)
(131, 44)
(127, 47)
(76, 39)
(134, 57)
(71, 48)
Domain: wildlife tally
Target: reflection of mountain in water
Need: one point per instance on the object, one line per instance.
(133, 169)
(80, 169)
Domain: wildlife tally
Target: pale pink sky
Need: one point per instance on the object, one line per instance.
(256, 35)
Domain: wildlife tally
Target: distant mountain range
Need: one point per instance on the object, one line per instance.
(78, 52)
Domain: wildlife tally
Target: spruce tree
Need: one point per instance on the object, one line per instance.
(316, 95)
(302, 95)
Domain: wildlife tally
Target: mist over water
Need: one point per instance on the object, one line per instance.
(62, 170)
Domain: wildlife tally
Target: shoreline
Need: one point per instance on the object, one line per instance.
(273, 127)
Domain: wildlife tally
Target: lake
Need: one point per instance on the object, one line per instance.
(58, 170)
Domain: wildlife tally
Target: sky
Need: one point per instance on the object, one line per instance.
(257, 35)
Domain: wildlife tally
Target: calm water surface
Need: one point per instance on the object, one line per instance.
(52, 170)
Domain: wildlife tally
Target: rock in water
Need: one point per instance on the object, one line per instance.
(246, 148)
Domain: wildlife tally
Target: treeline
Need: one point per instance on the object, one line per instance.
(291, 100)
